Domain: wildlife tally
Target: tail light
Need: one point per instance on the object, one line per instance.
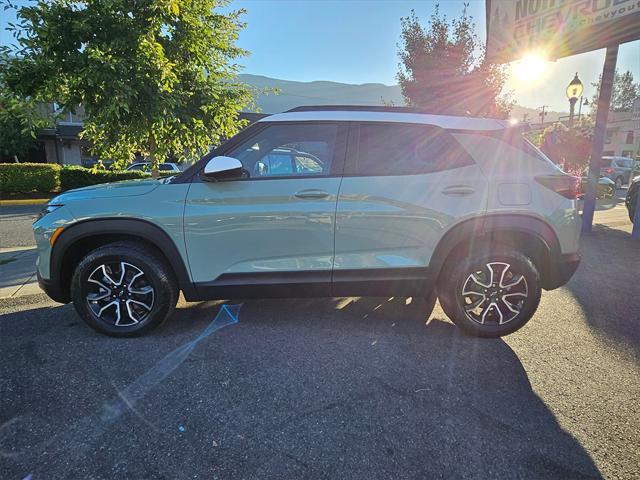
(607, 170)
(565, 185)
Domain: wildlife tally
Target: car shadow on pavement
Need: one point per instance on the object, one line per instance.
(607, 285)
(299, 388)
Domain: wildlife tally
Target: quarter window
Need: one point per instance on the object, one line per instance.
(401, 149)
(288, 150)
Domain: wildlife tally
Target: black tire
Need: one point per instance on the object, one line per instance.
(132, 303)
(523, 296)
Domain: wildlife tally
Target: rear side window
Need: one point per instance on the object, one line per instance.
(514, 138)
(400, 149)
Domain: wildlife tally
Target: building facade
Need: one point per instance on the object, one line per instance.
(623, 133)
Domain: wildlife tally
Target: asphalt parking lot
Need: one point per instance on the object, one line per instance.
(333, 388)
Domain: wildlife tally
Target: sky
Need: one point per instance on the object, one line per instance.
(355, 41)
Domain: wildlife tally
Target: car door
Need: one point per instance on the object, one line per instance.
(276, 226)
(404, 186)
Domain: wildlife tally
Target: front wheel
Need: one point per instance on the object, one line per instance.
(123, 289)
(490, 294)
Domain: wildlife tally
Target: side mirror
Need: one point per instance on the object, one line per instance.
(222, 168)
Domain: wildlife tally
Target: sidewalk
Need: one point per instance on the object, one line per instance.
(17, 272)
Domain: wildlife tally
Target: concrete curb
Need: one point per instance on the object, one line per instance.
(26, 201)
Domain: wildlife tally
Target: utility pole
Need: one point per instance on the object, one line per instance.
(599, 132)
(543, 114)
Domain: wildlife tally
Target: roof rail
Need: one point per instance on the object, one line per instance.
(356, 108)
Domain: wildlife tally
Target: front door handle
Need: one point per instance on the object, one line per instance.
(311, 193)
(458, 190)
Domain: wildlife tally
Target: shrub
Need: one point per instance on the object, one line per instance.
(49, 177)
(568, 147)
(76, 177)
(29, 177)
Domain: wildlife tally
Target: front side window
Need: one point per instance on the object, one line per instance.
(400, 149)
(288, 150)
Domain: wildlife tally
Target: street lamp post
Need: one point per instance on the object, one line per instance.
(574, 92)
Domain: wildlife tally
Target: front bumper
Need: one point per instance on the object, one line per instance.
(561, 270)
(53, 290)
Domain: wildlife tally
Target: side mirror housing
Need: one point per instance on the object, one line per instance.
(222, 168)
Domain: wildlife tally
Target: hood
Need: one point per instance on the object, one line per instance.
(126, 188)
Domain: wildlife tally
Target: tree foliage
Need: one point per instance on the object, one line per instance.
(153, 76)
(624, 92)
(443, 68)
(20, 119)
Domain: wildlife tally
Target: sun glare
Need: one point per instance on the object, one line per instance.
(530, 69)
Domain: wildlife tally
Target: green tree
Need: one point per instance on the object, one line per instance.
(153, 76)
(20, 120)
(624, 92)
(443, 68)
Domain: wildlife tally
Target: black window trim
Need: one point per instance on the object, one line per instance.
(351, 165)
(192, 174)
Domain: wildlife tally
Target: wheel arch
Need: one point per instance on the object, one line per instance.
(532, 236)
(80, 238)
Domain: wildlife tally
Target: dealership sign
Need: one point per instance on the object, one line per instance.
(558, 28)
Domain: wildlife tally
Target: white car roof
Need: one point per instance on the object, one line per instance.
(443, 121)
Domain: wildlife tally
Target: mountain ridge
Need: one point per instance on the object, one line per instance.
(294, 93)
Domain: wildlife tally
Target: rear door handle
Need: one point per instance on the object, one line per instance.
(311, 193)
(458, 190)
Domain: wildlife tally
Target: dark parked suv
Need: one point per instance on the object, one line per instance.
(618, 169)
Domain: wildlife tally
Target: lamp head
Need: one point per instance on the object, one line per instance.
(575, 88)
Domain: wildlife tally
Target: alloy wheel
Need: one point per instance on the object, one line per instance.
(119, 293)
(494, 294)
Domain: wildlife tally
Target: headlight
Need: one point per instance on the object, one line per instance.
(47, 209)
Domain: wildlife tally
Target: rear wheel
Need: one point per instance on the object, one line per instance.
(123, 289)
(490, 294)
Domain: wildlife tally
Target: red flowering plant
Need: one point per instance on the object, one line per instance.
(569, 147)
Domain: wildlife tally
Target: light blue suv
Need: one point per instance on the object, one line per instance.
(324, 201)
